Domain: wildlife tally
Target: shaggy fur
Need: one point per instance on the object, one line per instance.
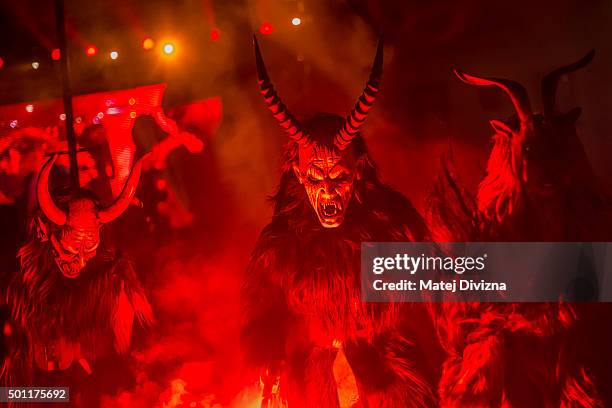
(302, 291)
(96, 310)
(511, 355)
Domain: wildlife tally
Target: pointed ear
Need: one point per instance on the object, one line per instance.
(297, 172)
(359, 166)
(501, 127)
(573, 115)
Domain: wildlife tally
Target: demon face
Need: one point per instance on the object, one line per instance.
(328, 176)
(76, 243)
(537, 153)
(74, 233)
(543, 153)
(326, 166)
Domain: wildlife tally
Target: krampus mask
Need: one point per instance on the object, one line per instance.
(325, 165)
(541, 147)
(74, 233)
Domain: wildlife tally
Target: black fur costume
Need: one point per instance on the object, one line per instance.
(302, 292)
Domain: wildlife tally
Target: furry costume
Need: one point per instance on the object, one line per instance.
(538, 187)
(59, 321)
(74, 299)
(302, 294)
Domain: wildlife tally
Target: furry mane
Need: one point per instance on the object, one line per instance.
(303, 287)
(499, 192)
(96, 310)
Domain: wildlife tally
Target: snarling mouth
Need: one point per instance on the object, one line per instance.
(68, 271)
(330, 209)
(330, 212)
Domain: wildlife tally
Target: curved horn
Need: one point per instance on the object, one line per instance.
(358, 115)
(123, 201)
(551, 80)
(45, 201)
(274, 103)
(516, 91)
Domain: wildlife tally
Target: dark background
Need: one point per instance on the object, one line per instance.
(322, 65)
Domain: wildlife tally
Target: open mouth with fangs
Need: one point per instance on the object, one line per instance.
(330, 212)
(69, 271)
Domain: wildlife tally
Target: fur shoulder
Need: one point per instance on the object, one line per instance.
(130, 304)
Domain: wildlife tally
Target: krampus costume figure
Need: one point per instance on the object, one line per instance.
(539, 187)
(303, 314)
(74, 299)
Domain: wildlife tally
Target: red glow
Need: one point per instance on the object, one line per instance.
(55, 54)
(8, 330)
(266, 28)
(215, 34)
(1, 62)
(91, 51)
(148, 44)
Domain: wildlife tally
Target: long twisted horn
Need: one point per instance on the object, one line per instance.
(516, 91)
(551, 80)
(45, 201)
(123, 201)
(275, 104)
(358, 115)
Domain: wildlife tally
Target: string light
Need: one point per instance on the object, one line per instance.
(55, 54)
(91, 51)
(296, 21)
(35, 64)
(266, 28)
(168, 48)
(29, 108)
(114, 55)
(148, 44)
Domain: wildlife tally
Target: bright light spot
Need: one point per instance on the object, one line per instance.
(168, 48)
(78, 120)
(13, 124)
(132, 101)
(160, 184)
(266, 28)
(91, 51)
(114, 55)
(35, 64)
(215, 34)
(8, 330)
(55, 54)
(29, 108)
(148, 44)
(296, 21)
(114, 111)
(100, 115)
(1, 62)
(62, 116)
(96, 120)
(132, 114)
